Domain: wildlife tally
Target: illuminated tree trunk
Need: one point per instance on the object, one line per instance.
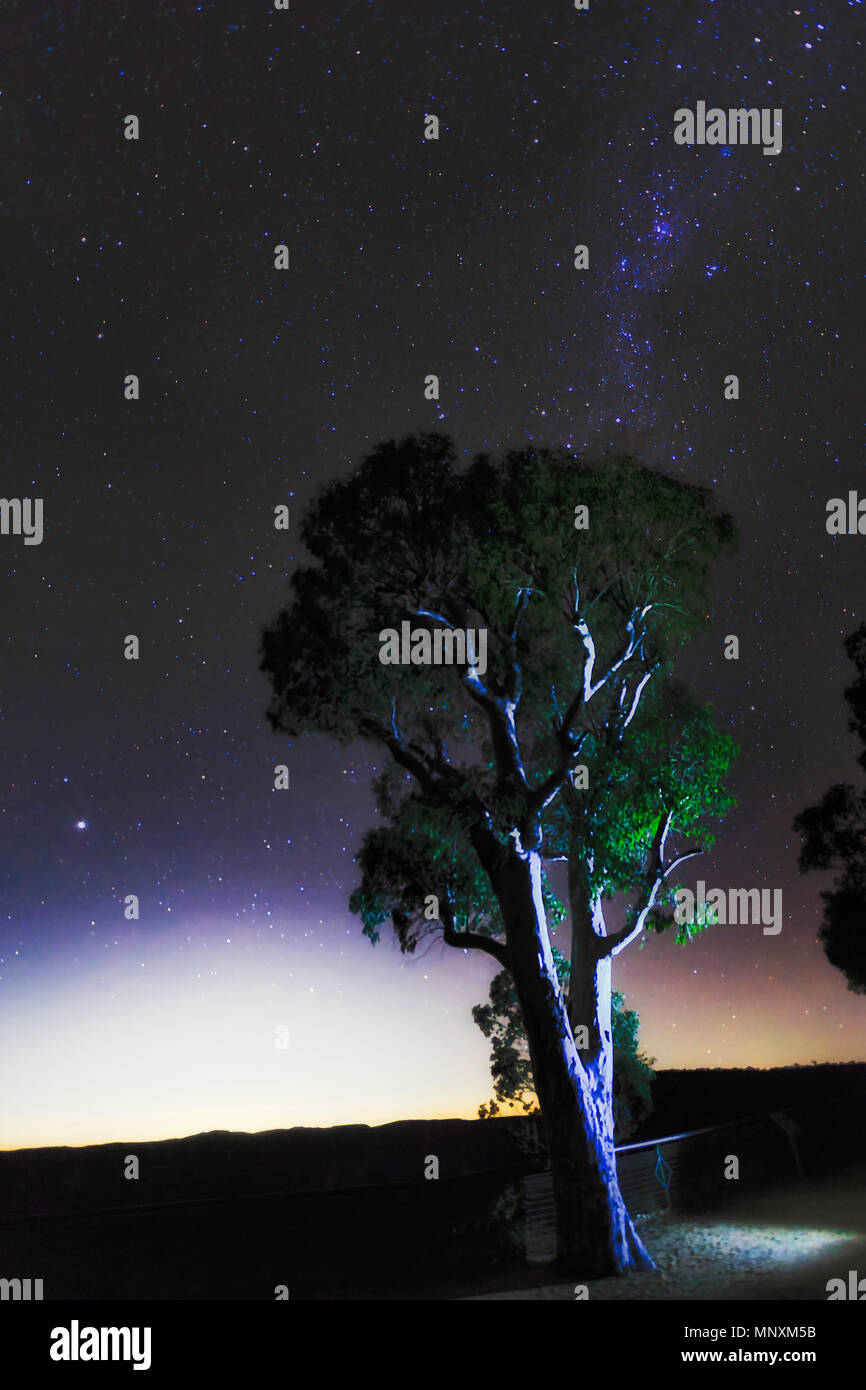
(595, 1235)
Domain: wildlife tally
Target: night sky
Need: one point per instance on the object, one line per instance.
(407, 257)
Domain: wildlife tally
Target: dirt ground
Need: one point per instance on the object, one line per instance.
(780, 1245)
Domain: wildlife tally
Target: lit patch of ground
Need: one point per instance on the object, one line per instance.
(778, 1245)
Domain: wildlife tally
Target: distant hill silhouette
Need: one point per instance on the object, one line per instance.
(355, 1216)
(225, 1163)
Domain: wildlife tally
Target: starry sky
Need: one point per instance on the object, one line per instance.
(156, 257)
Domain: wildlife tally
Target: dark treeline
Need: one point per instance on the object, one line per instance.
(224, 1163)
(684, 1100)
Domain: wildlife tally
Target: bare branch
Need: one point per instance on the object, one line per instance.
(655, 874)
(500, 713)
(570, 752)
(636, 697)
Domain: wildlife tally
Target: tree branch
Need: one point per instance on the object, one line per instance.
(415, 762)
(656, 873)
(471, 941)
(639, 689)
(500, 711)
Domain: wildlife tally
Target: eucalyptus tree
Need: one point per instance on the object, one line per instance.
(579, 582)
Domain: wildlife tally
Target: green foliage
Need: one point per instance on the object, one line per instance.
(662, 919)
(504, 1224)
(672, 756)
(409, 533)
(422, 853)
(633, 1073)
(511, 1068)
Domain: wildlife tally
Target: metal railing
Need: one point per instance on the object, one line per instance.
(688, 1169)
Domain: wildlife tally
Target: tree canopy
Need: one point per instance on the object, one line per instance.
(578, 621)
(834, 838)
